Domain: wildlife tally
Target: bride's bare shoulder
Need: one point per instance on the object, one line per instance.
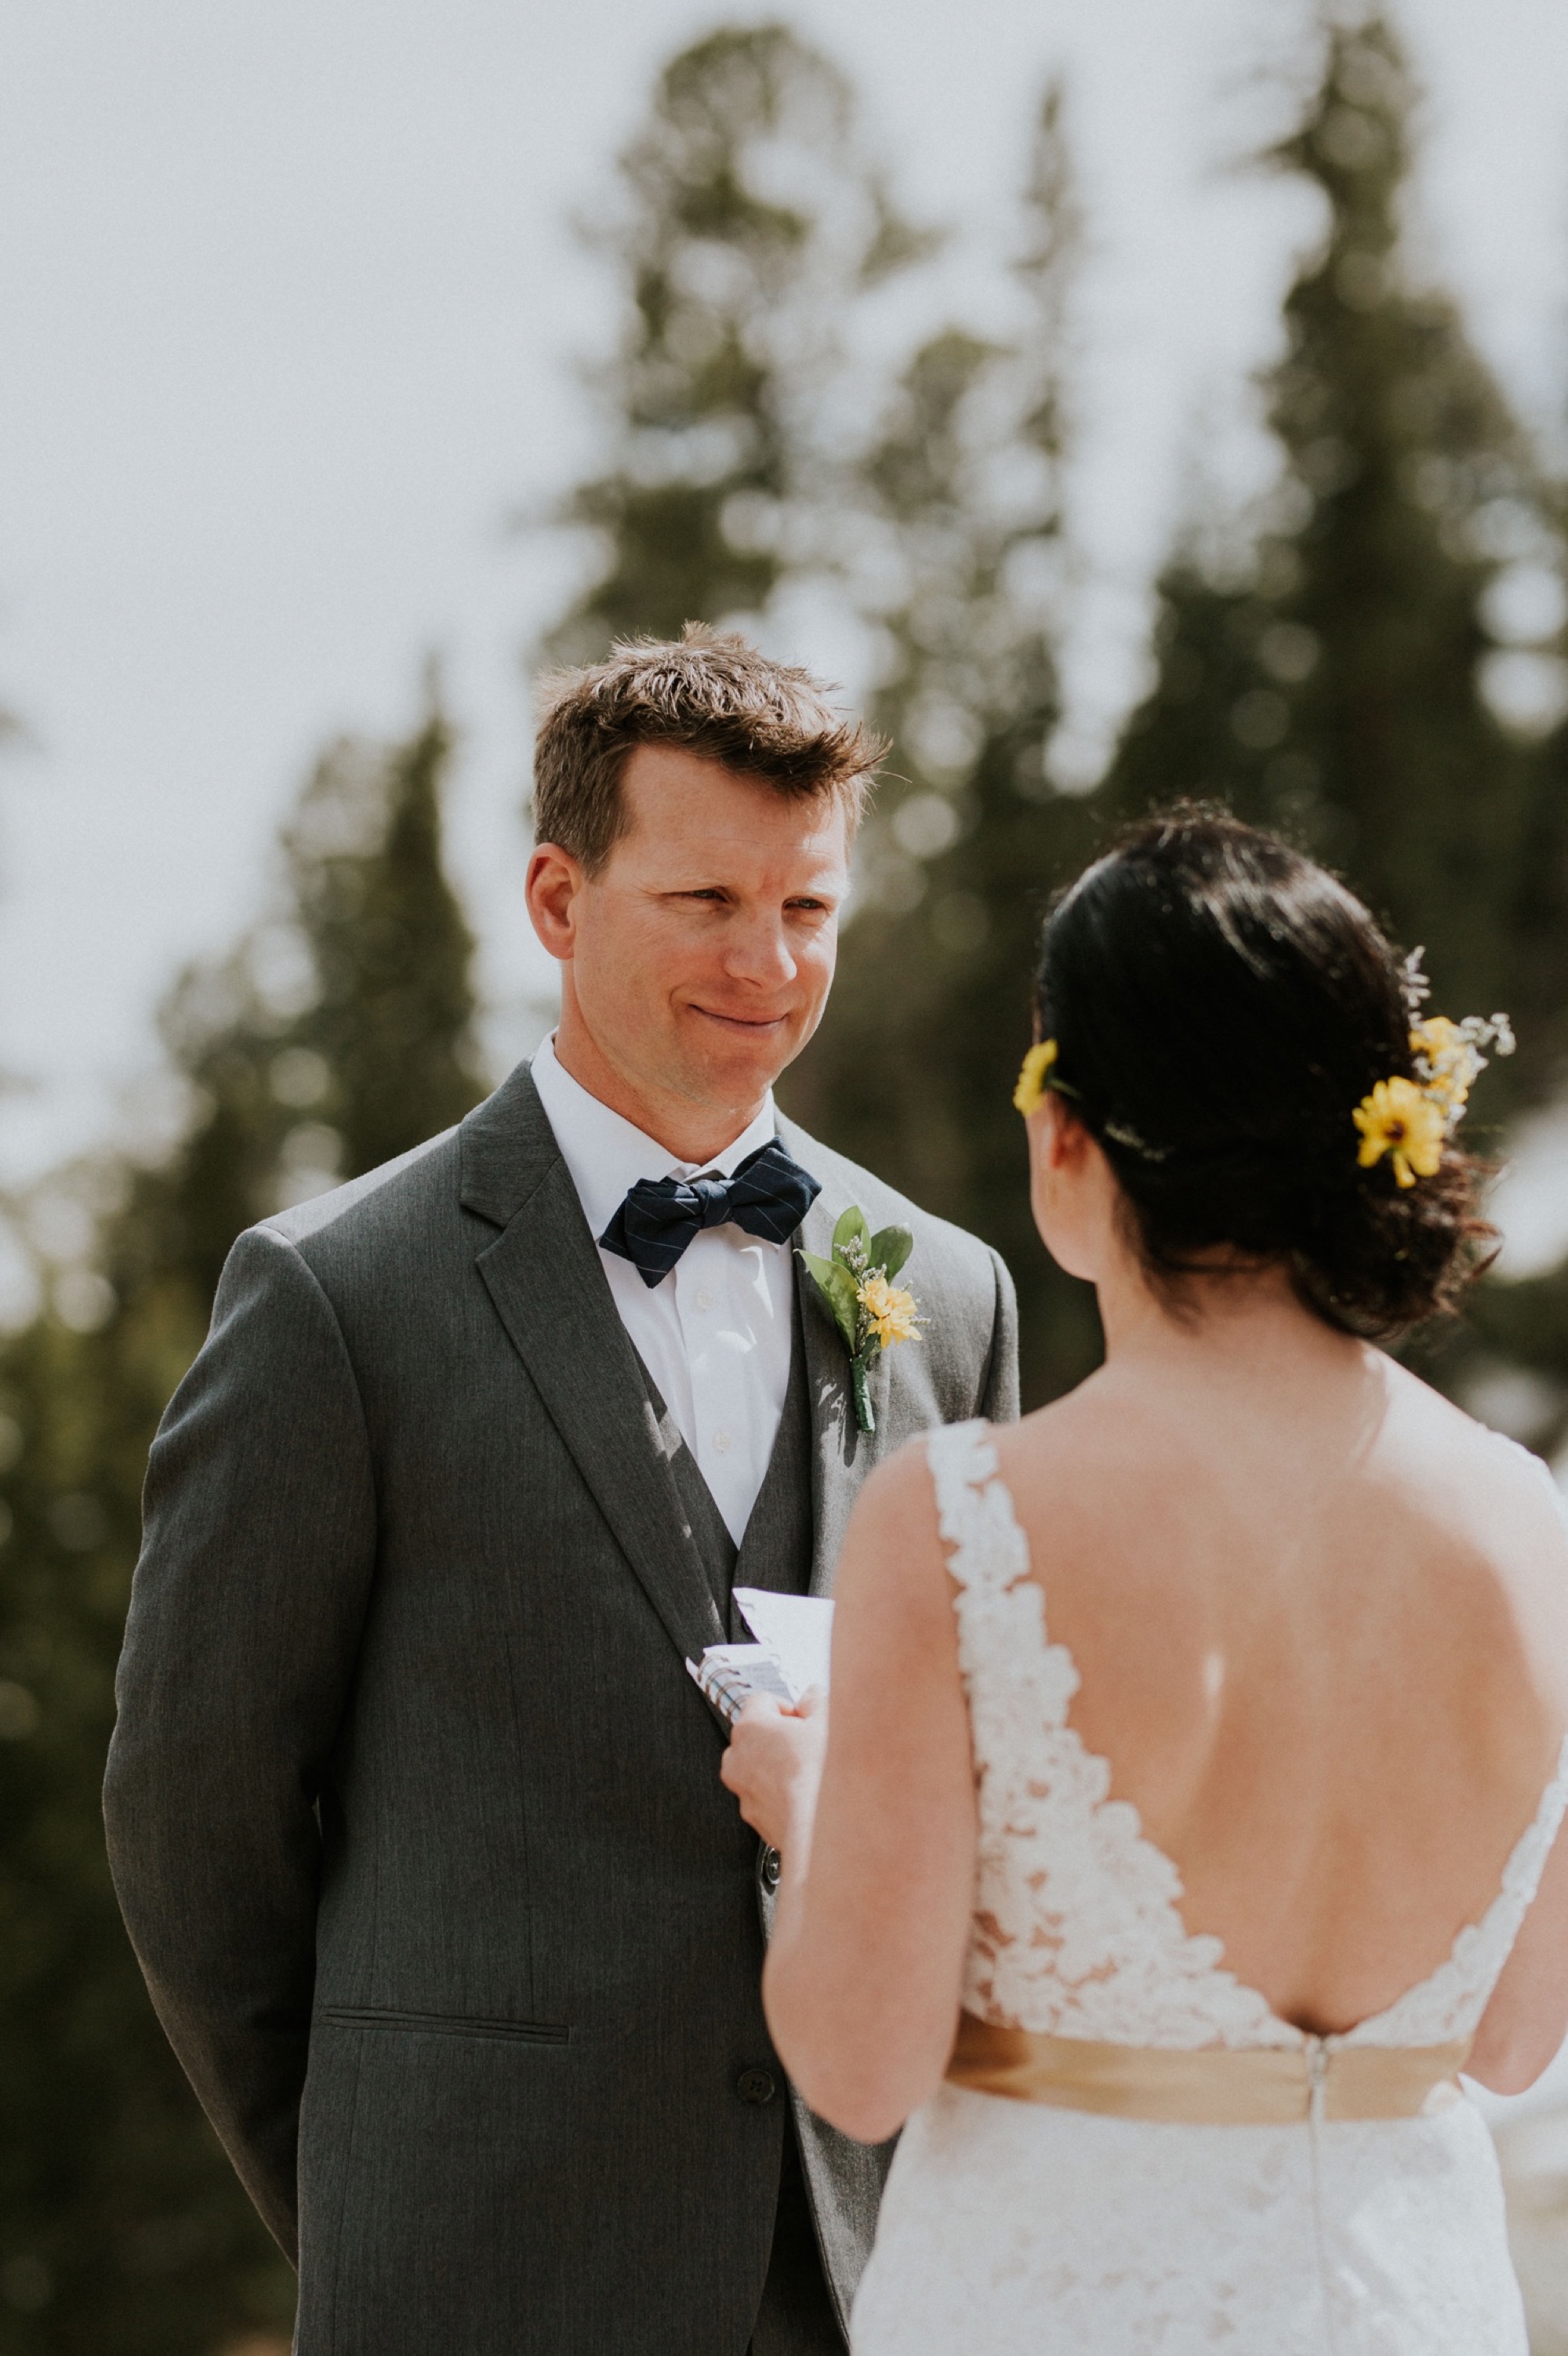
(1092, 1433)
(1110, 1449)
(1432, 1451)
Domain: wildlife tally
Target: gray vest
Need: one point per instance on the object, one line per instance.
(776, 1551)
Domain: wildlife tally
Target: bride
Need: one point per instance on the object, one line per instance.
(1188, 1818)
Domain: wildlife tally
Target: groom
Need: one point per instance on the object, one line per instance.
(413, 1812)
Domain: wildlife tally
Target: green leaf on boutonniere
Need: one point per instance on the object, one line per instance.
(888, 1249)
(851, 1229)
(838, 1290)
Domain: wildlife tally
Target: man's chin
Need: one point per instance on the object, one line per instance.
(724, 1064)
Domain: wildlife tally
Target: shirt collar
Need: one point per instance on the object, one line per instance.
(607, 1154)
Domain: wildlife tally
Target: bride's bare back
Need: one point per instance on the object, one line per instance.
(1321, 1623)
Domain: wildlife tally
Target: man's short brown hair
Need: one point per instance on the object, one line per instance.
(706, 693)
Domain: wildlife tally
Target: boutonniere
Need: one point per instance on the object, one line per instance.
(870, 1311)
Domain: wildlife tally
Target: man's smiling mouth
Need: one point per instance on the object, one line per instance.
(741, 1022)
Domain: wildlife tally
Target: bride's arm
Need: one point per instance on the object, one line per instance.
(864, 1974)
(1526, 2018)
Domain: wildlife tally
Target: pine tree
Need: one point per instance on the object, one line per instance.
(337, 1037)
(124, 2231)
(749, 226)
(914, 1067)
(1334, 689)
(1524, 1325)
(1332, 683)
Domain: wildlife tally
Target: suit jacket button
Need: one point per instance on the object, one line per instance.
(770, 1868)
(755, 2086)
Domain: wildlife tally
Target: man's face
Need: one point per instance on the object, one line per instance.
(701, 955)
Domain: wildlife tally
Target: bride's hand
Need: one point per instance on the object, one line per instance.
(774, 1764)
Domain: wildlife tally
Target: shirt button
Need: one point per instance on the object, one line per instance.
(755, 2087)
(722, 1440)
(704, 1299)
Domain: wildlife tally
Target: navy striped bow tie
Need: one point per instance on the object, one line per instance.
(768, 1195)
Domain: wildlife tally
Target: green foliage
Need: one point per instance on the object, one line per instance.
(748, 229)
(1332, 685)
(888, 1249)
(837, 1287)
(124, 2233)
(337, 1037)
(1334, 690)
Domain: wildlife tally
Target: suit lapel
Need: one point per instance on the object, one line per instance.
(842, 1455)
(543, 1274)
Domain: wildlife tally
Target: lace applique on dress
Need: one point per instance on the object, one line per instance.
(1077, 1929)
(1076, 1926)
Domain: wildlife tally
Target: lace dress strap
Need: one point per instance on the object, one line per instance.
(988, 1552)
(1019, 1685)
(1076, 1928)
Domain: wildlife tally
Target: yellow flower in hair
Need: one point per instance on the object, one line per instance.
(891, 1310)
(1030, 1093)
(1402, 1120)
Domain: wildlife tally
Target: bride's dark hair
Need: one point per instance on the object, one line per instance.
(1221, 1006)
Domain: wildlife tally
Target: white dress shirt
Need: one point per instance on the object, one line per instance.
(715, 1333)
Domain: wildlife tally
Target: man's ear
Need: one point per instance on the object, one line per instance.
(554, 881)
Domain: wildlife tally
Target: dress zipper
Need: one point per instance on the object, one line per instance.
(1317, 2077)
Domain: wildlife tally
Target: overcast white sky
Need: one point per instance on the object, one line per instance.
(291, 307)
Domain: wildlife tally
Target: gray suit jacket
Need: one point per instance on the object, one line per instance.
(414, 1813)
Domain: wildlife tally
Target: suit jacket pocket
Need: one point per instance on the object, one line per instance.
(444, 2024)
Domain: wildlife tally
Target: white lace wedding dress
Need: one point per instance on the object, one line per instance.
(1010, 2227)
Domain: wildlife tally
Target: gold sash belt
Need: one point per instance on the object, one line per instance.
(1259, 2086)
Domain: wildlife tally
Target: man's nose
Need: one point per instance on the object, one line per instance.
(758, 951)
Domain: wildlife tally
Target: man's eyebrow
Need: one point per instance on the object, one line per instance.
(835, 882)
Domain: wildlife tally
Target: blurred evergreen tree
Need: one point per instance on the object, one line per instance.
(337, 1035)
(914, 1067)
(1336, 689)
(1356, 679)
(749, 225)
(123, 2231)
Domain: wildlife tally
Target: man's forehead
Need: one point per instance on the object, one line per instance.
(720, 854)
(700, 810)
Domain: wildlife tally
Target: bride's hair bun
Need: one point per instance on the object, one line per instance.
(1221, 1007)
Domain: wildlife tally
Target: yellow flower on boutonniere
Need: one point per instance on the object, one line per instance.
(870, 1311)
(1033, 1083)
(891, 1308)
(1401, 1119)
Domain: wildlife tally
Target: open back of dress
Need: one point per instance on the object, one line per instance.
(1010, 2226)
